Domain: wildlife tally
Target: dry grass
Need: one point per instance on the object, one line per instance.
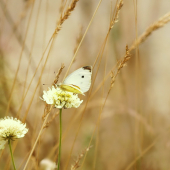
(65, 16)
(77, 161)
(153, 27)
(125, 119)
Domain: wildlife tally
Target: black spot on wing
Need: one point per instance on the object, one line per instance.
(82, 76)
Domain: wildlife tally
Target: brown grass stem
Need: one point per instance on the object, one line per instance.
(65, 16)
(159, 136)
(89, 93)
(18, 112)
(113, 78)
(58, 74)
(32, 45)
(77, 161)
(39, 134)
(102, 50)
(113, 21)
(20, 57)
(138, 133)
(30, 103)
(153, 27)
(15, 32)
(62, 19)
(141, 155)
(75, 54)
(97, 123)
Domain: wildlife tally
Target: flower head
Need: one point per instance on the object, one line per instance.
(12, 129)
(47, 164)
(61, 98)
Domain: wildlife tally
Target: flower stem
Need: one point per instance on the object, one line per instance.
(9, 142)
(60, 136)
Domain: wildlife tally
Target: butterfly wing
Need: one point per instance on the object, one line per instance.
(80, 78)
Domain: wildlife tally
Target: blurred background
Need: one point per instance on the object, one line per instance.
(133, 132)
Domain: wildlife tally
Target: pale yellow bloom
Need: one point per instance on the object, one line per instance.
(11, 128)
(47, 164)
(60, 98)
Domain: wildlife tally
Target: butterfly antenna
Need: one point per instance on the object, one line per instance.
(46, 84)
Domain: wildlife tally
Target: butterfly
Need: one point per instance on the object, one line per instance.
(79, 81)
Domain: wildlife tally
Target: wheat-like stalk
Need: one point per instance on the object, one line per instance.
(65, 16)
(53, 117)
(58, 74)
(120, 64)
(77, 161)
(115, 17)
(153, 27)
(54, 83)
(156, 25)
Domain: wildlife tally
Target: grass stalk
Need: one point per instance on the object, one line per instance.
(42, 127)
(60, 136)
(10, 148)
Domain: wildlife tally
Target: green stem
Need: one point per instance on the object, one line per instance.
(60, 136)
(9, 142)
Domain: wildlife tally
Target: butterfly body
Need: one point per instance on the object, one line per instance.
(79, 81)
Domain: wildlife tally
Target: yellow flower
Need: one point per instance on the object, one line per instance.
(61, 98)
(11, 129)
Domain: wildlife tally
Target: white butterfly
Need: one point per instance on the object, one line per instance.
(79, 81)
